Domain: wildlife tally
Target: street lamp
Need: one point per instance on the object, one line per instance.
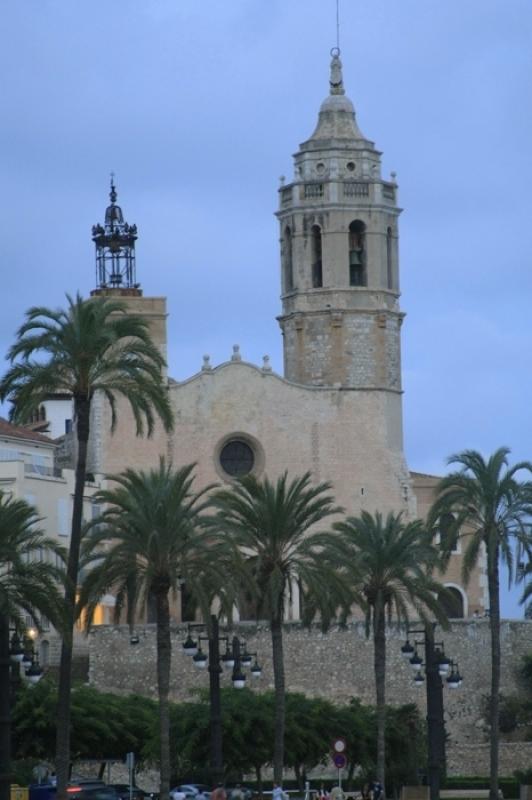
(438, 669)
(12, 653)
(235, 657)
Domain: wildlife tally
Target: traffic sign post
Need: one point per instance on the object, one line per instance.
(339, 746)
(130, 764)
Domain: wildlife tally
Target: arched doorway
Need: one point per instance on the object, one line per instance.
(452, 602)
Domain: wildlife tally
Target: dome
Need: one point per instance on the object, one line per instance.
(337, 118)
(113, 215)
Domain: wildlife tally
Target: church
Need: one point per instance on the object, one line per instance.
(337, 409)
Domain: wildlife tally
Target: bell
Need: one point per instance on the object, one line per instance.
(355, 257)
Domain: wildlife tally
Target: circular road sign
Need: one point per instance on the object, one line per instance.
(339, 760)
(339, 745)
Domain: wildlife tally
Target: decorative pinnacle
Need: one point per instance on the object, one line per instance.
(336, 80)
(112, 193)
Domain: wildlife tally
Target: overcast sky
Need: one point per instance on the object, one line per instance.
(197, 106)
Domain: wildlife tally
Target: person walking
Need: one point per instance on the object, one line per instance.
(279, 793)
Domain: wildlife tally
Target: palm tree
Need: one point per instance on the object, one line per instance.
(491, 508)
(146, 544)
(270, 523)
(91, 346)
(393, 561)
(28, 587)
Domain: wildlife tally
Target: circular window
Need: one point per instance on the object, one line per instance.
(237, 458)
(320, 168)
(351, 166)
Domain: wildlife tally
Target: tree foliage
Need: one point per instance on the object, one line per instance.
(92, 346)
(490, 508)
(103, 725)
(271, 523)
(392, 561)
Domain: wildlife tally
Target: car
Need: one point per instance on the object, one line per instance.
(192, 791)
(91, 790)
(122, 790)
(76, 790)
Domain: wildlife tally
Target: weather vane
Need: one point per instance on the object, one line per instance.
(338, 25)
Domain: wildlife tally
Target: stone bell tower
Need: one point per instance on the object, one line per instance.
(339, 257)
(116, 278)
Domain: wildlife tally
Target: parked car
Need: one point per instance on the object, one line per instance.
(91, 790)
(122, 790)
(192, 791)
(78, 790)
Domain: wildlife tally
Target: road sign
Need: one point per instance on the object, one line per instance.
(339, 760)
(339, 744)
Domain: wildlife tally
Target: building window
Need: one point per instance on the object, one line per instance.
(68, 426)
(237, 458)
(357, 256)
(288, 267)
(317, 271)
(389, 271)
(44, 653)
(62, 516)
(449, 533)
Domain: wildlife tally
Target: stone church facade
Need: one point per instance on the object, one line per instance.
(337, 410)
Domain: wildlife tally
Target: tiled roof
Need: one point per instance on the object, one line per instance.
(19, 432)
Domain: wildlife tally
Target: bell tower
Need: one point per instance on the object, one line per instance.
(339, 257)
(114, 243)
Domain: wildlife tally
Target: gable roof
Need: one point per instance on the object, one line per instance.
(20, 432)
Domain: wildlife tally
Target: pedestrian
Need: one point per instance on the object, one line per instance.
(376, 789)
(323, 794)
(278, 793)
(237, 793)
(219, 793)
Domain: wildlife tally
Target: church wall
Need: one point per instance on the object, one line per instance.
(340, 436)
(339, 665)
(476, 592)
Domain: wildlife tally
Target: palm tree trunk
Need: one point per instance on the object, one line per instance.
(379, 664)
(493, 589)
(280, 700)
(62, 755)
(258, 775)
(164, 656)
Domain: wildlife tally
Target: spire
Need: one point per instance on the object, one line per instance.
(112, 193)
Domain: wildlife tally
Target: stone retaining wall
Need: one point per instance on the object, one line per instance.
(339, 665)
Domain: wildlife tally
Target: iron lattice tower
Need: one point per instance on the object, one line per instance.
(115, 249)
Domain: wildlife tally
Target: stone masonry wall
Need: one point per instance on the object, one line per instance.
(339, 665)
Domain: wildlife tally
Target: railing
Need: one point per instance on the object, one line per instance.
(312, 191)
(39, 469)
(356, 189)
(286, 197)
(388, 191)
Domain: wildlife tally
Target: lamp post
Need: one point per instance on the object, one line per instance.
(437, 668)
(234, 659)
(12, 654)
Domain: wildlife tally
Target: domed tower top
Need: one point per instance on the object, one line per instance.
(115, 250)
(337, 119)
